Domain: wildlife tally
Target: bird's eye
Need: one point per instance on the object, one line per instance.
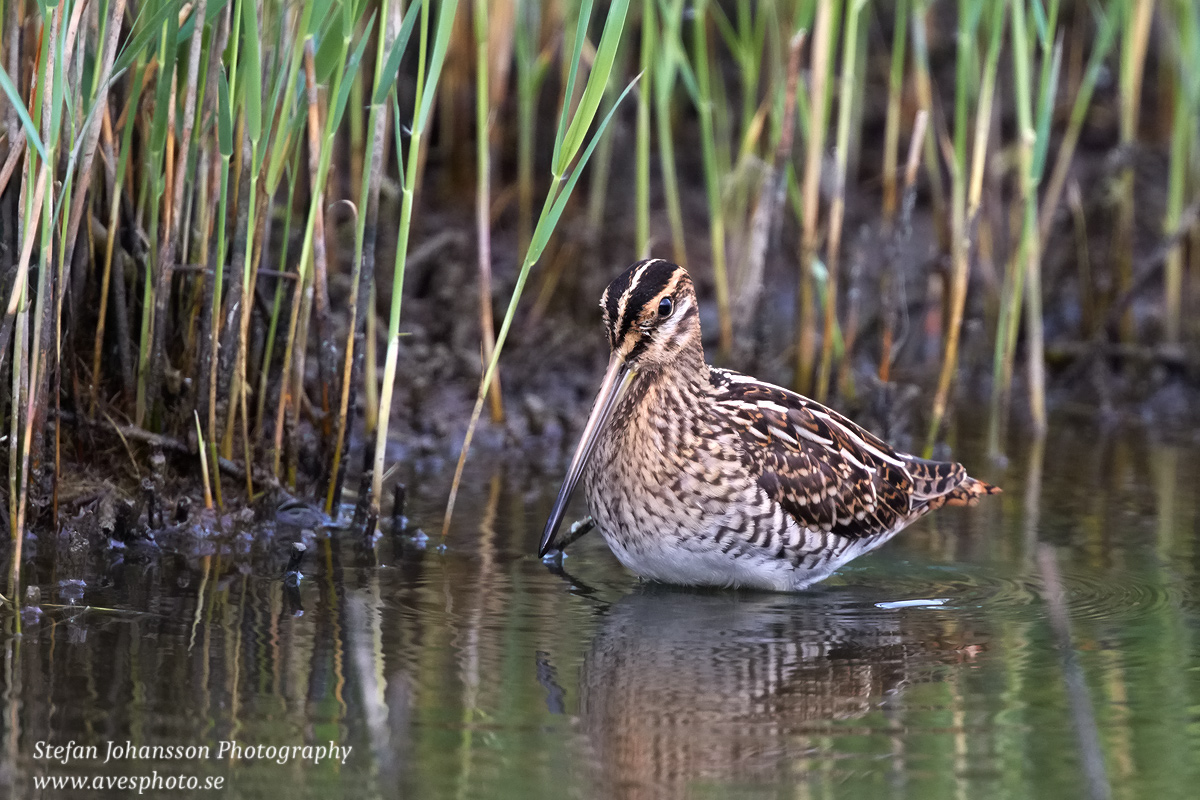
(665, 307)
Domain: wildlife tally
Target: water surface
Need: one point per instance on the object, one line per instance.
(929, 669)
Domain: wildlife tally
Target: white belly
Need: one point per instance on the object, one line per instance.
(683, 566)
(671, 563)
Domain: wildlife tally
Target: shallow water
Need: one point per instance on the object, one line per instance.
(928, 669)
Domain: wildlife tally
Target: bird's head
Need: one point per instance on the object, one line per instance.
(651, 315)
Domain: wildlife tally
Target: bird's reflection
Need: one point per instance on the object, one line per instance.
(683, 689)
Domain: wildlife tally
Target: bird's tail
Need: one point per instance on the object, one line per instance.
(944, 483)
(969, 491)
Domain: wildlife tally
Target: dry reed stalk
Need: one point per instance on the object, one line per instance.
(292, 387)
(173, 209)
(1133, 63)
(26, 378)
(923, 86)
(483, 189)
(31, 222)
(712, 178)
(806, 326)
(326, 350)
(765, 217)
(15, 151)
(289, 401)
(92, 135)
(235, 309)
(359, 353)
(208, 496)
(966, 196)
(837, 211)
(890, 283)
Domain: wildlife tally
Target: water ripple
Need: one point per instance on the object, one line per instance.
(1091, 594)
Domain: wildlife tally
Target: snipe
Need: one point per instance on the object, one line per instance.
(705, 477)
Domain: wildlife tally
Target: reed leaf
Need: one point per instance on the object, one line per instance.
(387, 74)
(567, 148)
(252, 85)
(556, 200)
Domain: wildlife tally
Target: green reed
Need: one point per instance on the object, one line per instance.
(1183, 144)
(1101, 46)
(965, 63)
(365, 232)
(600, 187)
(822, 49)
(838, 207)
(746, 38)
(1137, 16)
(427, 80)
(569, 158)
(669, 65)
(483, 189)
(1022, 291)
(641, 241)
(891, 134)
(532, 64)
(704, 70)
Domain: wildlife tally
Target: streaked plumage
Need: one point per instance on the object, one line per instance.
(703, 476)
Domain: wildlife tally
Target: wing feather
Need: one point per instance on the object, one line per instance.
(824, 470)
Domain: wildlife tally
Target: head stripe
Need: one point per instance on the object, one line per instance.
(649, 280)
(622, 319)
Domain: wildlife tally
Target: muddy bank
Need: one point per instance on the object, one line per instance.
(556, 354)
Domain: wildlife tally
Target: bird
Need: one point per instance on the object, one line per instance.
(701, 476)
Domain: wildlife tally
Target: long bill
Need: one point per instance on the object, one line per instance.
(617, 378)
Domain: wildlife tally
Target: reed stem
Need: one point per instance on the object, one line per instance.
(712, 178)
(483, 197)
(837, 209)
(806, 325)
(891, 129)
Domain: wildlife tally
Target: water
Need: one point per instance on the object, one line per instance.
(930, 669)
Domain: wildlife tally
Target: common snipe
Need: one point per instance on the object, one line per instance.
(705, 477)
